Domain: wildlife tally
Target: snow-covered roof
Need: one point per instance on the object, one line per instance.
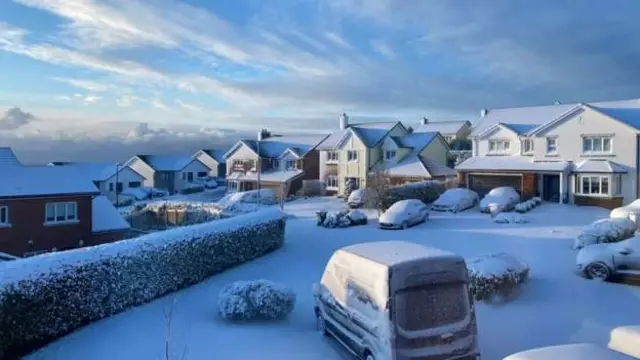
(370, 133)
(416, 141)
(270, 176)
(22, 181)
(168, 162)
(520, 128)
(582, 351)
(598, 166)
(412, 165)
(105, 216)
(8, 157)
(443, 127)
(217, 155)
(395, 252)
(275, 146)
(92, 171)
(516, 163)
(542, 115)
(438, 169)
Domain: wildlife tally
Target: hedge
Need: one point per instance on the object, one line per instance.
(45, 297)
(427, 191)
(494, 277)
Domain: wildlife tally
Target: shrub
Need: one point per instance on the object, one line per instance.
(494, 277)
(192, 189)
(526, 206)
(605, 231)
(48, 296)
(509, 218)
(427, 191)
(255, 300)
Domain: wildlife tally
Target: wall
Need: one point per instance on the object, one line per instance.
(211, 163)
(27, 216)
(464, 131)
(242, 153)
(569, 145)
(500, 134)
(194, 167)
(143, 169)
(437, 151)
(165, 180)
(125, 176)
(311, 165)
(355, 168)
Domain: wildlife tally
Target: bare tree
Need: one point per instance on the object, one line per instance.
(168, 316)
(378, 184)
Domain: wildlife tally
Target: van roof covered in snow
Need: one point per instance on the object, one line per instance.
(392, 253)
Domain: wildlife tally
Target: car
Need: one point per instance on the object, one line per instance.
(500, 199)
(455, 200)
(583, 351)
(403, 214)
(602, 261)
(357, 198)
(631, 211)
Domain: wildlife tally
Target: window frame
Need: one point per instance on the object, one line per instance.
(333, 156)
(525, 142)
(391, 152)
(233, 186)
(202, 174)
(352, 155)
(56, 206)
(591, 139)
(500, 146)
(134, 184)
(332, 182)
(555, 145)
(288, 165)
(590, 185)
(4, 222)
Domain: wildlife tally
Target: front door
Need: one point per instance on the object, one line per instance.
(190, 177)
(551, 187)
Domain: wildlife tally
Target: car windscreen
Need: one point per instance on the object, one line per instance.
(430, 306)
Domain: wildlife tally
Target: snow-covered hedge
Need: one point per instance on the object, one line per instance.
(495, 276)
(48, 296)
(426, 191)
(605, 231)
(527, 205)
(342, 219)
(509, 218)
(192, 189)
(255, 300)
(265, 196)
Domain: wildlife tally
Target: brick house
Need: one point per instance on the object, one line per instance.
(50, 208)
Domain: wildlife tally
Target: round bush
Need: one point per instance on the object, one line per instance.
(605, 231)
(495, 276)
(255, 300)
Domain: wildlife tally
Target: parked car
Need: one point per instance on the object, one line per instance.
(455, 200)
(357, 198)
(601, 261)
(631, 211)
(403, 214)
(500, 199)
(417, 311)
(569, 352)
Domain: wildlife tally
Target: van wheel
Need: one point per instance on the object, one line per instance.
(321, 324)
(368, 355)
(405, 225)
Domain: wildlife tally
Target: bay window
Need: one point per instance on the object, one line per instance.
(598, 185)
(61, 212)
(499, 146)
(596, 144)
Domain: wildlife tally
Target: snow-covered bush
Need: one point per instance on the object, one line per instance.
(163, 214)
(509, 218)
(537, 200)
(343, 219)
(48, 296)
(357, 217)
(605, 231)
(255, 300)
(494, 277)
(526, 206)
(265, 196)
(192, 189)
(137, 193)
(426, 191)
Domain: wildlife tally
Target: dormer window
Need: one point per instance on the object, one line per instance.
(389, 155)
(499, 146)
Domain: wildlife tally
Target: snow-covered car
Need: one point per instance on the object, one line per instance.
(500, 199)
(631, 212)
(569, 352)
(601, 261)
(455, 200)
(357, 198)
(403, 214)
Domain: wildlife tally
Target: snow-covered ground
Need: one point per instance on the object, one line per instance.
(555, 306)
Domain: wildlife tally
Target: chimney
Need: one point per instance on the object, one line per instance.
(260, 133)
(424, 121)
(263, 134)
(344, 121)
(484, 112)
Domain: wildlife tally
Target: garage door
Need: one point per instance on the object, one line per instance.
(482, 184)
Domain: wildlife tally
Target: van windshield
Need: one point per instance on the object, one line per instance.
(430, 306)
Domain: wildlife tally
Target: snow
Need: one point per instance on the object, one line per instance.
(443, 127)
(453, 197)
(255, 300)
(509, 218)
(605, 231)
(391, 253)
(44, 180)
(137, 193)
(410, 166)
(569, 352)
(631, 211)
(266, 196)
(626, 340)
(357, 196)
(436, 168)
(105, 216)
(95, 171)
(268, 176)
(369, 133)
(598, 166)
(519, 163)
(169, 162)
(555, 306)
(499, 199)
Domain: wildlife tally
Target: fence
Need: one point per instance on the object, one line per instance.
(162, 219)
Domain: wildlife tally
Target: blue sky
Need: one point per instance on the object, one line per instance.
(98, 67)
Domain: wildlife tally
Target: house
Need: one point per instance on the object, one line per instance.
(172, 173)
(214, 160)
(277, 162)
(50, 208)
(450, 130)
(586, 153)
(110, 178)
(351, 154)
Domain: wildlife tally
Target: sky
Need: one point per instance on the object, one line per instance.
(107, 78)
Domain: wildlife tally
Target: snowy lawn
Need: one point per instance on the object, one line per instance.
(554, 307)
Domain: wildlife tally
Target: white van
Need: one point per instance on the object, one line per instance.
(398, 300)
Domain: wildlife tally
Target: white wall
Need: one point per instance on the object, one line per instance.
(500, 134)
(194, 167)
(210, 162)
(125, 176)
(242, 153)
(143, 169)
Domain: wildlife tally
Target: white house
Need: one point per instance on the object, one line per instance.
(214, 160)
(585, 154)
(109, 178)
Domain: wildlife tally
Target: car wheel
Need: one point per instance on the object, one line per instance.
(370, 357)
(405, 225)
(321, 324)
(598, 271)
(456, 209)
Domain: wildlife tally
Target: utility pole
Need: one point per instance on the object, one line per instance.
(117, 181)
(259, 167)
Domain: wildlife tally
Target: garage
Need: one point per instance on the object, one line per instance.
(482, 184)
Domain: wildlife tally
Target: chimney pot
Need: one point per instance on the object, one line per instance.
(484, 112)
(344, 121)
(424, 121)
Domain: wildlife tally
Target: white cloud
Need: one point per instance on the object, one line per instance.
(188, 106)
(159, 104)
(15, 118)
(89, 99)
(337, 39)
(88, 85)
(383, 49)
(128, 100)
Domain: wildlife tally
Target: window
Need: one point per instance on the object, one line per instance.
(552, 145)
(352, 155)
(596, 144)
(119, 187)
(202, 174)
(134, 184)
(61, 212)
(594, 185)
(233, 186)
(183, 176)
(448, 138)
(527, 146)
(4, 215)
(111, 187)
(499, 146)
(333, 156)
(291, 165)
(618, 179)
(275, 163)
(450, 299)
(354, 181)
(389, 154)
(332, 182)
